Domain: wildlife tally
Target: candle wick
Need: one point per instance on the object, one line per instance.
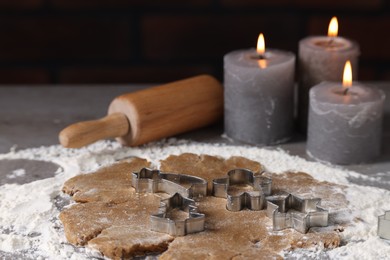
(258, 56)
(345, 92)
(330, 42)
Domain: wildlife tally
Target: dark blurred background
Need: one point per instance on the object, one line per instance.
(119, 41)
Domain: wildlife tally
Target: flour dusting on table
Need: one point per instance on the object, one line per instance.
(30, 229)
(16, 173)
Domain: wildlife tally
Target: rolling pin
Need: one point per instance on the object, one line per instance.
(151, 114)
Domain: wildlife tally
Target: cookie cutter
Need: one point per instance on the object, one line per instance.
(182, 188)
(236, 201)
(161, 222)
(148, 180)
(384, 225)
(290, 211)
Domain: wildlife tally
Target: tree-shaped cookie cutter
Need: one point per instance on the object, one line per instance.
(182, 188)
(152, 181)
(384, 225)
(161, 222)
(290, 211)
(236, 201)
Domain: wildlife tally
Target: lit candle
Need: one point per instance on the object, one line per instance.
(322, 58)
(259, 94)
(345, 121)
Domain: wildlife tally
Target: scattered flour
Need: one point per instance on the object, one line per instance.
(30, 229)
(17, 173)
(12, 242)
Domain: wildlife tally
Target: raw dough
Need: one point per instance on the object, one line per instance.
(110, 184)
(206, 166)
(116, 230)
(246, 234)
(115, 220)
(113, 215)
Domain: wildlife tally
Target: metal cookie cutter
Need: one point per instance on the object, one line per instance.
(384, 225)
(236, 201)
(290, 211)
(147, 180)
(161, 222)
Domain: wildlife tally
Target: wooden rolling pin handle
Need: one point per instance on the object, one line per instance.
(84, 133)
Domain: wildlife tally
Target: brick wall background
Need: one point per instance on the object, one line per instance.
(122, 41)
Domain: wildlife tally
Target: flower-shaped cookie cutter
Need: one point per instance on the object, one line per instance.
(290, 211)
(384, 225)
(162, 222)
(148, 180)
(239, 199)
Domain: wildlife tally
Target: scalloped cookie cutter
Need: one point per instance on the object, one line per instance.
(384, 225)
(148, 180)
(290, 211)
(236, 201)
(161, 222)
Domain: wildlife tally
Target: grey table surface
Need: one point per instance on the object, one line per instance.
(32, 116)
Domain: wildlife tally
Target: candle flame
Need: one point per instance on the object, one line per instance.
(347, 76)
(260, 45)
(333, 27)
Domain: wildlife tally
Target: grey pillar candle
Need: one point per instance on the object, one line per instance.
(344, 128)
(259, 96)
(322, 58)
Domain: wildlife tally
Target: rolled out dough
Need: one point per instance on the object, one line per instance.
(113, 219)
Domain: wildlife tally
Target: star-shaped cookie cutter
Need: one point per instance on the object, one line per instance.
(161, 222)
(384, 225)
(148, 180)
(290, 211)
(182, 188)
(236, 201)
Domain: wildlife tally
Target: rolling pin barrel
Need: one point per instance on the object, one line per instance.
(154, 113)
